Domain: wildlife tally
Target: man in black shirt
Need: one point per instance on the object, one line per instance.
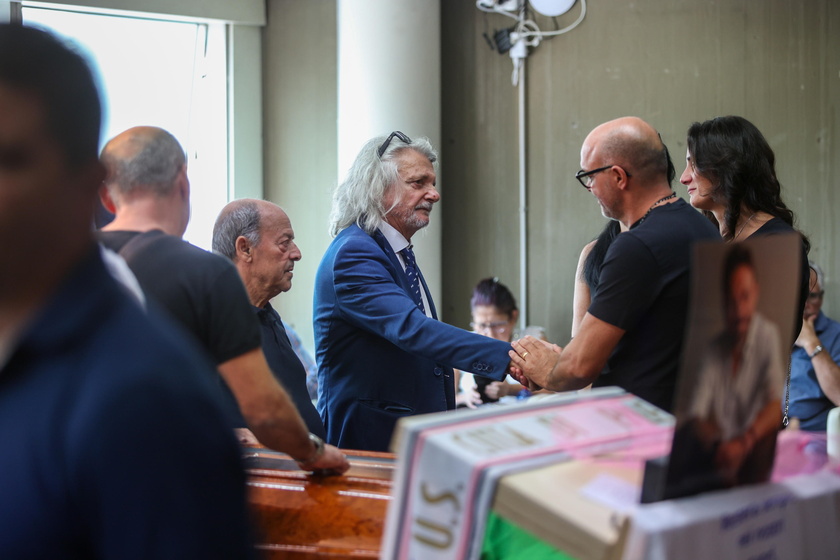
(257, 236)
(148, 191)
(632, 334)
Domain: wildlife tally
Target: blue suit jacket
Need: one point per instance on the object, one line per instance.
(379, 357)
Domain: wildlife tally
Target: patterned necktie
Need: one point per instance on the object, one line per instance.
(413, 276)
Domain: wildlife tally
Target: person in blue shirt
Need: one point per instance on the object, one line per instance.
(306, 359)
(814, 373)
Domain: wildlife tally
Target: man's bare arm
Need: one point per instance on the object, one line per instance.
(577, 365)
(582, 296)
(270, 413)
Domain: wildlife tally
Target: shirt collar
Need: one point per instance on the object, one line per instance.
(266, 313)
(395, 238)
(79, 299)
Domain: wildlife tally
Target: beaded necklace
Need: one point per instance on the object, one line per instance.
(654, 205)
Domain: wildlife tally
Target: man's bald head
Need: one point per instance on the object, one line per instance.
(142, 159)
(628, 142)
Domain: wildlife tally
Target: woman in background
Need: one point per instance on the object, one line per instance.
(494, 314)
(731, 176)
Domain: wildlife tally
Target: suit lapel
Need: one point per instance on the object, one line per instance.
(398, 272)
(400, 276)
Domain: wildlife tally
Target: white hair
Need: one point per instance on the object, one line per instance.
(819, 272)
(359, 199)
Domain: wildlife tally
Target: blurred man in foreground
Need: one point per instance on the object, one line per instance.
(114, 441)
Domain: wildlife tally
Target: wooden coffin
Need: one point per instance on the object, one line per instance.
(302, 516)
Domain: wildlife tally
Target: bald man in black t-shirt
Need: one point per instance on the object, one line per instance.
(632, 333)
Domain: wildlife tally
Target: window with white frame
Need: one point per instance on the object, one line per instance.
(165, 73)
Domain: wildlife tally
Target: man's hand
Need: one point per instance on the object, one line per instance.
(532, 361)
(332, 461)
(246, 437)
(517, 374)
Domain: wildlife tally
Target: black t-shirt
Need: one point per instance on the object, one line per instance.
(287, 367)
(201, 291)
(644, 288)
(777, 226)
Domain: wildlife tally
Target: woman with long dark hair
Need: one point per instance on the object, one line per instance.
(731, 176)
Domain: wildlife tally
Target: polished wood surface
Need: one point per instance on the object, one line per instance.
(305, 516)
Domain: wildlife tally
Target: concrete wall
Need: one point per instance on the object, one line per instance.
(671, 62)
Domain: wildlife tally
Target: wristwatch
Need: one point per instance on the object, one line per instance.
(316, 454)
(816, 351)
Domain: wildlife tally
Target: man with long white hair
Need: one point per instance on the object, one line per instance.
(382, 354)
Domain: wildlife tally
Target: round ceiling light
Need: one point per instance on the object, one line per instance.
(552, 8)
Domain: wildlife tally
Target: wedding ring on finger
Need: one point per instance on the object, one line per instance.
(525, 354)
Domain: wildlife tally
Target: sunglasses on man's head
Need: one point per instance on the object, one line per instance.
(405, 139)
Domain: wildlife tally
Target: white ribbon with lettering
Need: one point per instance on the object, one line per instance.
(795, 518)
(440, 496)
